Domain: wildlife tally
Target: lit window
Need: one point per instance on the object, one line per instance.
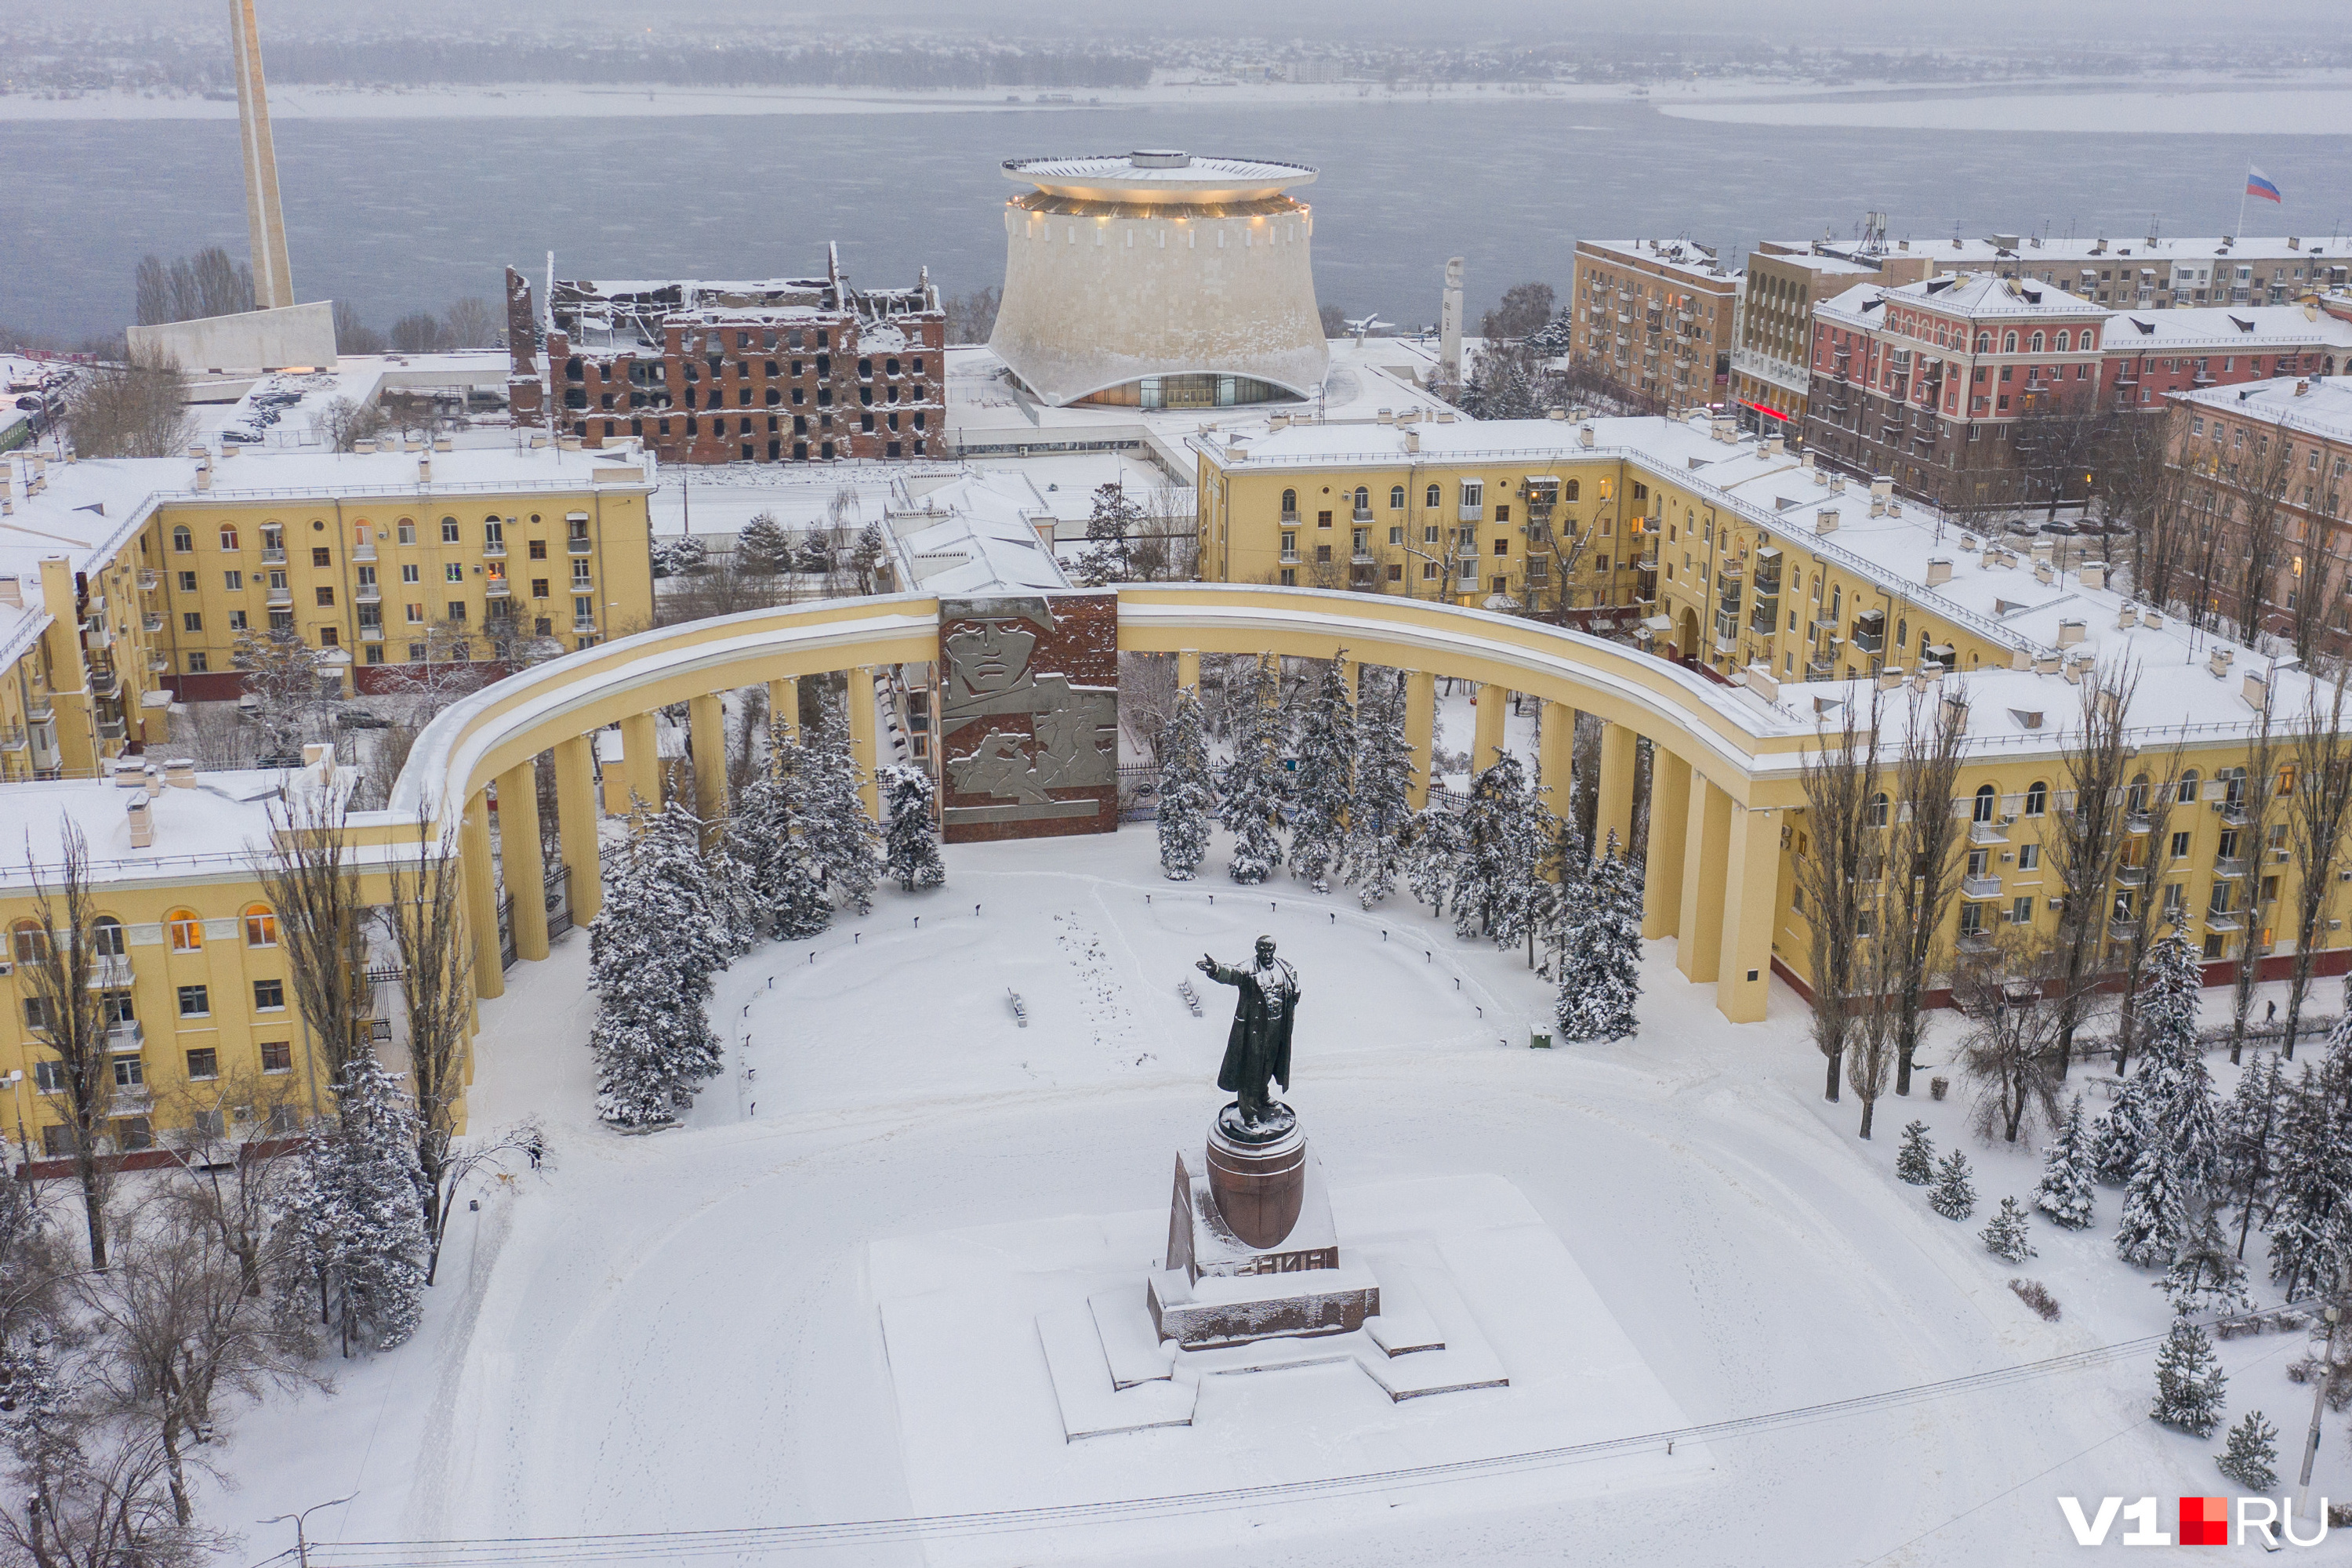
(188, 931)
(260, 927)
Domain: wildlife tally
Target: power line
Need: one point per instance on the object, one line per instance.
(677, 1544)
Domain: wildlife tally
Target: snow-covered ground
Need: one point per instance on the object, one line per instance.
(682, 1331)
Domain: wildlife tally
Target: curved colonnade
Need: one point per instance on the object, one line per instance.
(1725, 768)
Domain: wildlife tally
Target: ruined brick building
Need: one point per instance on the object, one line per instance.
(784, 370)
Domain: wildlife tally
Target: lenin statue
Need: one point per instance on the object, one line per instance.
(1257, 1051)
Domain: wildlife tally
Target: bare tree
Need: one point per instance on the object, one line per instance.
(2319, 808)
(1924, 861)
(138, 409)
(2085, 841)
(473, 323)
(354, 336)
(61, 965)
(1845, 817)
(436, 992)
(182, 1329)
(2012, 1050)
(2261, 543)
(225, 1184)
(2247, 811)
(1526, 308)
(2318, 589)
(343, 424)
(972, 318)
(296, 697)
(1870, 1049)
(419, 332)
(309, 878)
(95, 1497)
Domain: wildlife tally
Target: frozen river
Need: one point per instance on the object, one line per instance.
(410, 213)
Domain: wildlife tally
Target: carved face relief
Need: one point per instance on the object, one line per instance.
(987, 659)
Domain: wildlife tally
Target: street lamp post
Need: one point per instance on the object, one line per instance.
(301, 1519)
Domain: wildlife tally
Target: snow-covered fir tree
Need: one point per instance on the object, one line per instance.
(1434, 856)
(2007, 1237)
(2167, 1017)
(1379, 818)
(1249, 796)
(1504, 840)
(763, 546)
(2311, 1217)
(842, 840)
(2189, 1380)
(1109, 556)
(1324, 789)
(351, 1210)
(2251, 1458)
(1600, 959)
(1954, 1195)
(911, 845)
(1188, 800)
(2064, 1192)
(2250, 1127)
(2207, 1275)
(2154, 1209)
(1914, 1161)
(652, 950)
(783, 882)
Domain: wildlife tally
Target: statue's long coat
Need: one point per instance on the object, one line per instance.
(1256, 1042)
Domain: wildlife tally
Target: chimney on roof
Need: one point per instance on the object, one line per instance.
(2094, 573)
(142, 824)
(1939, 570)
(179, 772)
(2219, 662)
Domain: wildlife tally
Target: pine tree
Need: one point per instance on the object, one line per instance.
(869, 559)
(911, 846)
(841, 841)
(2006, 1237)
(2155, 1210)
(1953, 1195)
(2311, 1223)
(1435, 857)
(1188, 801)
(2206, 1275)
(1504, 840)
(2249, 1130)
(1108, 556)
(2252, 1456)
(350, 1211)
(1914, 1161)
(1381, 815)
(2189, 1380)
(651, 954)
(1249, 799)
(2064, 1192)
(2167, 1017)
(1325, 792)
(785, 887)
(763, 547)
(1601, 961)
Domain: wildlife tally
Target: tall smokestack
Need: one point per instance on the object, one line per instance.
(1449, 326)
(273, 283)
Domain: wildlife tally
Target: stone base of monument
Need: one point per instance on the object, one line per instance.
(1252, 1251)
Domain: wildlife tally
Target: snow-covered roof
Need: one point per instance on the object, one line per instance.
(210, 832)
(2027, 251)
(2318, 406)
(1159, 176)
(2231, 328)
(976, 533)
(1680, 256)
(1966, 296)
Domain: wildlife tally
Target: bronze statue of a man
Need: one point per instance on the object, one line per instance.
(1257, 1050)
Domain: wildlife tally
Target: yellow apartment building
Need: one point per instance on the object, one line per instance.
(201, 1022)
(376, 559)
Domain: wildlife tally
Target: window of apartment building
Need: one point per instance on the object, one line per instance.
(456, 608)
(494, 533)
(233, 581)
(195, 1002)
(449, 534)
(188, 581)
(203, 1063)
(183, 542)
(416, 615)
(323, 557)
(329, 637)
(198, 663)
(269, 995)
(416, 649)
(539, 550)
(409, 572)
(326, 598)
(276, 1056)
(539, 587)
(453, 572)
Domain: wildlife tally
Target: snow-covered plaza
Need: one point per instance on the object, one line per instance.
(816, 1303)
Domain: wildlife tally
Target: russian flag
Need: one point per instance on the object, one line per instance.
(2259, 184)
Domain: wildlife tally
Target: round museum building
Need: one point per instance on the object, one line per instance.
(1160, 279)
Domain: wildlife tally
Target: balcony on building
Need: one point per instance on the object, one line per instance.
(2233, 811)
(273, 555)
(111, 729)
(42, 709)
(1992, 832)
(2131, 875)
(2232, 866)
(1974, 942)
(125, 1035)
(15, 738)
(109, 971)
(104, 681)
(281, 598)
(496, 588)
(159, 664)
(363, 553)
(368, 594)
(2120, 930)
(577, 546)
(2223, 921)
(153, 621)
(584, 624)
(2138, 822)
(494, 550)
(371, 634)
(1980, 887)
(150, 579)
